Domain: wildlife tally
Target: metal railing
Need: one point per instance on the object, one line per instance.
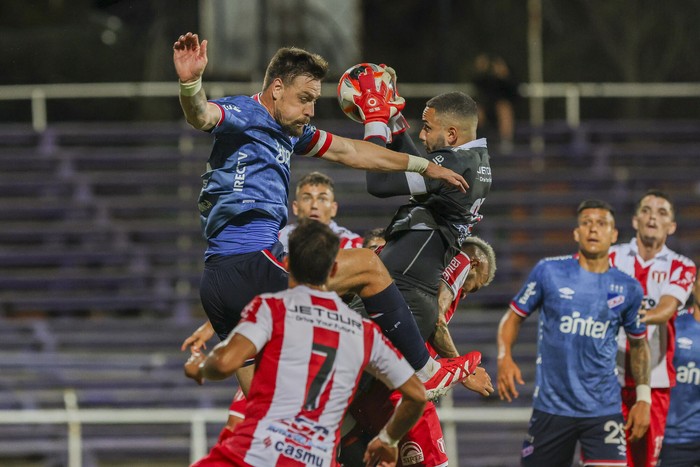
(74, 417)
(572, 93)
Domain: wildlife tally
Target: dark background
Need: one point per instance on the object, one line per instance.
(61, 41)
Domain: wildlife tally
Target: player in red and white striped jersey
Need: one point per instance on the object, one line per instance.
(315, 199)
(310, 351)
(667, 279)
(473, 268)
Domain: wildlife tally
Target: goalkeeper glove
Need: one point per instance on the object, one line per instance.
(372, 102)
(397, 122)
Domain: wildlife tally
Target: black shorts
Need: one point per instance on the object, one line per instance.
(551, 440)
(229, 283)
(415, 260)
(680, 455)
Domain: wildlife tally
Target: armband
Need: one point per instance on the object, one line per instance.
(644, 393)
(386, 439)
(192, 88)
(417, 164)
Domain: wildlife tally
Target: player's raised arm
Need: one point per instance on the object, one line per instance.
(190, 59)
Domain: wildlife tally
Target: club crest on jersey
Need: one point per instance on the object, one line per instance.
(659, 276)
(441, 445)
(615, 300)
(411, 453)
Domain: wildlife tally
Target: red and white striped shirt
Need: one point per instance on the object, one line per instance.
(348, 239)
(668, 273)
(312, 350)
(454, 276)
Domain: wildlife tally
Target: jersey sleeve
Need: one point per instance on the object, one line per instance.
(450, 160)
(634, 328)
(681, 280)
(385, 362)
(235, 115)
(530, 296)
(256, 323)
(455, 274)
(313, 142)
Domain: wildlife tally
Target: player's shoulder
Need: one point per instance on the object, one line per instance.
(341, 231)
(625, 279)
(236, 103)
(678, 257)
(472, 152)
(619, 248)
(244, 108)
(556, 262)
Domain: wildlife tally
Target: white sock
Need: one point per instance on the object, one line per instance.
(428, 370)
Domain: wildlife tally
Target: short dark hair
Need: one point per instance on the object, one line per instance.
(595, 204)
(316, 178)
(290, 62)
(371, 235)
(313, 247)
(658, 194)
(456, 104)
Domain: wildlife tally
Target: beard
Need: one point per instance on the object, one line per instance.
(438, 144)
(293, 128)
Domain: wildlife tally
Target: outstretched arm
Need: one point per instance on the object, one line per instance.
(368, 156)
(190, 59)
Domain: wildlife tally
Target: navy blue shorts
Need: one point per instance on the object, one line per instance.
(415, 260)
(551, 440)
(680, 455)
(229, 283)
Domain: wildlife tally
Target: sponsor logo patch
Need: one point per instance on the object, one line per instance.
(411, 453)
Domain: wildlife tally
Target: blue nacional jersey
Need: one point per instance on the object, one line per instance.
(580, 314)
(248, 172)
(683, 422)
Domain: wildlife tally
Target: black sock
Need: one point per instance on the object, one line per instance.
(389, 310)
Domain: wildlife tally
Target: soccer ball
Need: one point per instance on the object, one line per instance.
(349, 87)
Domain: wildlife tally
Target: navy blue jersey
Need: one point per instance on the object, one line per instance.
(248, 169)
(683, 423)
(580, 314)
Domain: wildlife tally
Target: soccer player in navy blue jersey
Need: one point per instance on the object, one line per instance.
(244, 198)
(583, 302)
(681, 445)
